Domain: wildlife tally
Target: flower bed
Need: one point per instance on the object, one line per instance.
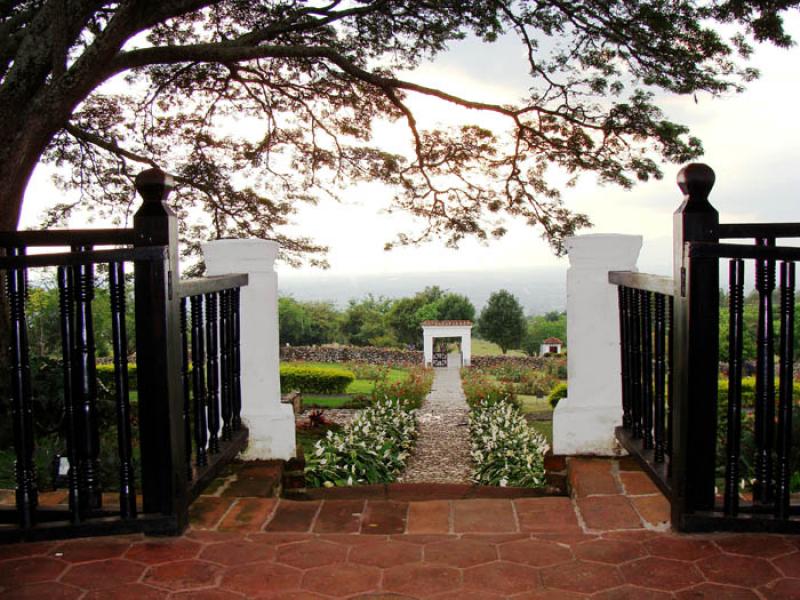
(373, 448)
(506, 451)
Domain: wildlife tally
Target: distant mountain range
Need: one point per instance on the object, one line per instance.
(538, 289)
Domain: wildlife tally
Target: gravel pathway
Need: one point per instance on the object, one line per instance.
(442, 452)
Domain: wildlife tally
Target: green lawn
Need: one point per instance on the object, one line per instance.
(545, 428)
(534, 404)
(362, 387)
(485, 348)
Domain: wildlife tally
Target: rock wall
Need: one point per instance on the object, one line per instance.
(359, 354)
(391, 356)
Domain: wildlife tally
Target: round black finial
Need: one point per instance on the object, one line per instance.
(154, 185)
(696, 181)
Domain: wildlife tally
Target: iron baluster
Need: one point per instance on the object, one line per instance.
(765, 379)
(66, 320)
(212, 373)
(785, 402)
(636, 364)
(734, 430)
(225, 366)
(236, 361)
(21, 402)
(85, 391)
(119, 337)
(647, 369)
(198, 381)
(660, 374)
(187, 421)
(623, 347)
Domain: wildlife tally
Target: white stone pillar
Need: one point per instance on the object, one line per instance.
(584, 421)
(271, 424)
(427, 346)
(466, 349)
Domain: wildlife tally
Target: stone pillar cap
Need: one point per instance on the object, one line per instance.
(615, 251)
(239, 256)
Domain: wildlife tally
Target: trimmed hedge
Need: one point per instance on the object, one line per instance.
(315, 380)
(105, 375)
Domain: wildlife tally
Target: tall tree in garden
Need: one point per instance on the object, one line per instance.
(456, 307)
(502, 320)
(258, 105)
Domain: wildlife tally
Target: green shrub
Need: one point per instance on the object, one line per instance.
(478, 388)
(749, 390)
(105, 376)
(536, 383)
(368, 372)
(505, 450)
(557, 393)
(315, 380)
(373, 448)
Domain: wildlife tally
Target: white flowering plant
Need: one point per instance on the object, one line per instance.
(373, 448)
(505, 450)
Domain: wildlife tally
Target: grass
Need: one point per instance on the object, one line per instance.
(534, 404)
(486, 348)
(545, 428)
(359, 387)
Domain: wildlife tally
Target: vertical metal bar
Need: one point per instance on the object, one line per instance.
(660, 377)
(187, 420)
(21, 403)
(784, 447)
(623, 346)
(225, 366)
(66, 320)
(212, 374)
(670, 370)
(636, 364)
(198, 381)
(119, 337)
(734, 431)
(647, 369)
(85, 390)
(236, 362)
(765, 380)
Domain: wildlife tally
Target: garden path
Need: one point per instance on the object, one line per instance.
(442, 451)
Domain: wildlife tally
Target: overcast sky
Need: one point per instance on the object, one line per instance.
(752, 140)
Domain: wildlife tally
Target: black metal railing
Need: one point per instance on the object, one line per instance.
(154, 488)
(645, 318)
(710, 440)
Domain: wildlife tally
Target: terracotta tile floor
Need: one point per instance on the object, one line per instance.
(609, 541)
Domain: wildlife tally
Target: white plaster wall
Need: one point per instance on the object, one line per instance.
(271, 424)
(584, 421)
(431, 332)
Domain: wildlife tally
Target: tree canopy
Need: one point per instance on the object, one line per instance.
(258, 105)
(502, 320)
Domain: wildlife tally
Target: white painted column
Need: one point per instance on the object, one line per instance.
(466, 348)
(584, 421)
(271, 424)
(427, 346)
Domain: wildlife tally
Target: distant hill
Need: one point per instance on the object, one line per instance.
(539, 290)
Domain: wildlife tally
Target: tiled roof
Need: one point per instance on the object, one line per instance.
(447, 323)
(552, 340)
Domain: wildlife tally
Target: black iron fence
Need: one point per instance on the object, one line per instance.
(176, 436)
(722, 463)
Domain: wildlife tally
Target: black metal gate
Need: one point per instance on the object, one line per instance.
(440, 359)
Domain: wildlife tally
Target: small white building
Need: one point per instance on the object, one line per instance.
(431, 330)
(551, 345)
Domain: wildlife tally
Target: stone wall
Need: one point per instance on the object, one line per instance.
(392, 356)
(527, 362)
(358, 354)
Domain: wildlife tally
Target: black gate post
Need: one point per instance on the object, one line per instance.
(158, 354)
(695, 347)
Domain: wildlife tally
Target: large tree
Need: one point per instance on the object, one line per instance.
(107, 87)
(502, 320)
